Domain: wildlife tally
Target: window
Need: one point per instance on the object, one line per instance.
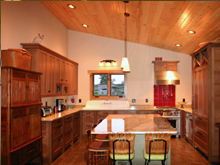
(107, 85)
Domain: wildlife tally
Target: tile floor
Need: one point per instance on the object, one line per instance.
(182, 154)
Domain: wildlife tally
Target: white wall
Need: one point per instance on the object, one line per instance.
(22, 21)
(88, 50)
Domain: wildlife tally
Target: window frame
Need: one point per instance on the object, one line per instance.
(109, 73)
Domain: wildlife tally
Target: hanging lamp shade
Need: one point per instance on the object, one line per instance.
(125, 67)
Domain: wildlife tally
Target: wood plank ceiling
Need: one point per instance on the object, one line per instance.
(160, 24)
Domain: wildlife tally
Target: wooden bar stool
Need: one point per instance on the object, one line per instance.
(121, 147)
(97, 151)
(100, 137)
(157, 147)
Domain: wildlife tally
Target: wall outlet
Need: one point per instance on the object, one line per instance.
(80, 100)
(146, 100)
(133, 100)
(65, 100)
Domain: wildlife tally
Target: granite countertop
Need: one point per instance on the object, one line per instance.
(77, 109)
(132, 123)
(60, 114)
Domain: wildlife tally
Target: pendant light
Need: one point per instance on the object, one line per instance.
(124, 63)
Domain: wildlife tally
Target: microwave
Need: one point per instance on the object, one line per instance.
(46, 111)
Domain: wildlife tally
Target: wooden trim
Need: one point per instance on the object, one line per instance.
(108, 72)
(105, 71)
(165, 62)
(41, 47)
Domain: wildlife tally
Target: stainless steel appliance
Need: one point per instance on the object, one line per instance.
(58, 104)
(46, 111)
(172, 114)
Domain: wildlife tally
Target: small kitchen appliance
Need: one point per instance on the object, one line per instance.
(58, 104)
(46, 111)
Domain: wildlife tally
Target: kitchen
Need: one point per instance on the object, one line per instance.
(22, 21)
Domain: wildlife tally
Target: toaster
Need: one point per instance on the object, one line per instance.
(46, 111)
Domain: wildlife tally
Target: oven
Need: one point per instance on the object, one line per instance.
(173, 117)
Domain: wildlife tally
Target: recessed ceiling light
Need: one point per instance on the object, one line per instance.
(85, 25)
(178, 45)
(191, 31)
(71, 6)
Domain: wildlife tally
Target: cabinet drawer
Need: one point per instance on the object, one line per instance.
(86, 127)
(57, 147)
(68, 122)
(201, 135)
(148, 112)
(85, 113)
(201, 123)
(201, 145)
(26, 153)
(102, 113)
(88, 119)
(57, 131)
(57, 122)
(76, 115)
(68, 139)
(127, 112)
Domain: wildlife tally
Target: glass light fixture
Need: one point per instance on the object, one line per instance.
(191, 31)
(85, 25)
(124, 63)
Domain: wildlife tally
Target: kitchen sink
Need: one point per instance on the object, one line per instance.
(107, 105)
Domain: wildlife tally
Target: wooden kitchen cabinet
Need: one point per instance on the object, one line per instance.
(68, 131)
(58, 135)
(165, 65)
(88, 118)
(126, 112)
(60, 74)
(76, 126)
(206, 100)
(147, 112)
(21, 137)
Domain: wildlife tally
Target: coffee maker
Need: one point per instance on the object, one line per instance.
(58, 104)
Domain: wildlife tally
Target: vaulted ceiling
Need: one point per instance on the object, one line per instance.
(160, 24)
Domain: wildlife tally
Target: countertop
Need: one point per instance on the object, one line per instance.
(60, 114)
(131, 123)
(73, 110)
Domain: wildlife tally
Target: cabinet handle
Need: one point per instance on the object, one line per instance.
(199, 118)
(61, 79)
(31, 151)
(48, 91)
(58, 121)
(200, 133)
(58, 140)
(58, 126)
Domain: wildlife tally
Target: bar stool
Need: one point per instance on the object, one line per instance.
(100, 137)
(157, 147)
(121, 147)
(97, 151)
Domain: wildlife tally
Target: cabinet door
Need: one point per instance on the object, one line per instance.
(76, 125)
(200, 91)
(75, 80)
(43, 60)
(67, 72)
(33, 88)
(19, 86)
(50, 83)
(34, 122)
(19, 127)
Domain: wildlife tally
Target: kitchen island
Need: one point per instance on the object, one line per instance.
(139, 124)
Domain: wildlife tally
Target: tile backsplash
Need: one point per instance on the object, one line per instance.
(164, 95)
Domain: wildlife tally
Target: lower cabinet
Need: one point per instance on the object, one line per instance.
(58, 135)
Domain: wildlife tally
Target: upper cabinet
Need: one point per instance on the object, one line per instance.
(60, 74)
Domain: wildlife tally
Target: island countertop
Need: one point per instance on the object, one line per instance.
(131, 123)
